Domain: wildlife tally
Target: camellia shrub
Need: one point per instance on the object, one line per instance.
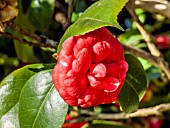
(76, 66)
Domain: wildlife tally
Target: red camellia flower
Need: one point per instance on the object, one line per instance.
(91, 69)
(162, 41)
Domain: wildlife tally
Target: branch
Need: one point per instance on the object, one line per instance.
(60, 6)
(149, 40)
(144, 112)
(60, 15)
(26, 41)
(154, 6)
(147, 37)
(70, 11)
(141, 53)
(24, 32)
(41, 40)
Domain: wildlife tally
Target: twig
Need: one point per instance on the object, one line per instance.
(24, 32)
(140, 53)
(42, 41)
(144, 54)
(155, 6)
(70, 11)
(149, 40)
(26, 41)
(60, 6)
(144, 112)
(147, 37)
(1, 27)
(60, 15)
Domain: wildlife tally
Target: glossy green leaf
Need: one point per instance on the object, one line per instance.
(40, 105)
(11, 86)
(135, 85)
(40, 13)
(101, 13)
(128, 98)
(10, 119)
(136, 75)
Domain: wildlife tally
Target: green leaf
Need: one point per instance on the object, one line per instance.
(22, 19)
(10, 119)
(101, 13)
(136, 75)
(40, 13)
(146, 64)
(24, 52)
(133, 40)
(106, 124)
(11, 86)
(40, 105)
(80, 6)
(167, 54)
(135, 85)
(128, 98)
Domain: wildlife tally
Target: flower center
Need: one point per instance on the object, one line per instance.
(98, 78)
(98, 70)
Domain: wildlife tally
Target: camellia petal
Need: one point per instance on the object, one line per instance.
(91, 69)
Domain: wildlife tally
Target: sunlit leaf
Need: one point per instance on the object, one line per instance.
(101, 13)
(10, 119)
(12, 85)
(40, 104)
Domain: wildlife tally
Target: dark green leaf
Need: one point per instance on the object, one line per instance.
(40, 13)
(25, 6)
(167, 56)
(135, 85)
(40, 105)
(128, 98)
(22, 19)
(101, 13)
(80, 6)
(11, 86)
(136, 75)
